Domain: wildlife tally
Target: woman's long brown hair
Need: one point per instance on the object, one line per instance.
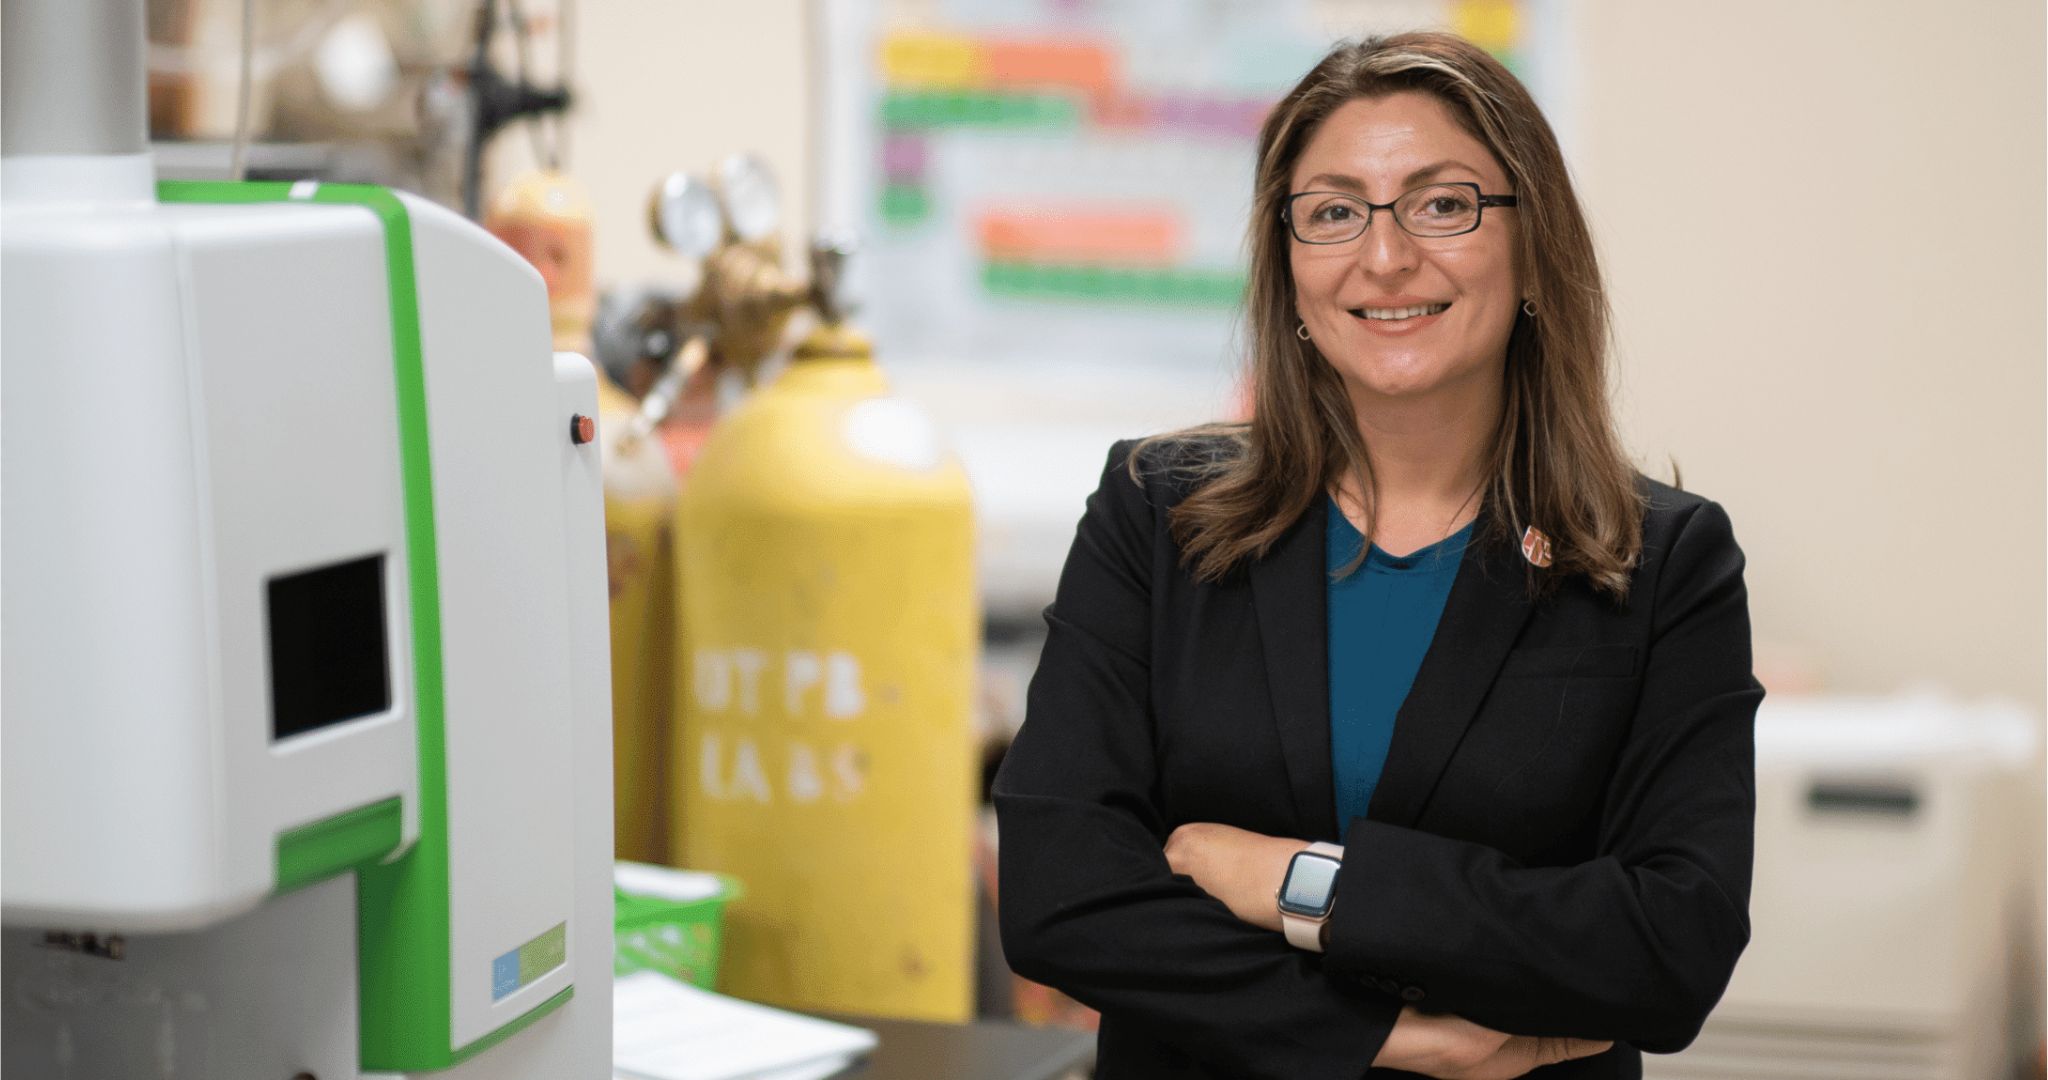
(1556, 462)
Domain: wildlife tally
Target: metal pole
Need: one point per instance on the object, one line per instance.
(473, 154)
(72, 77)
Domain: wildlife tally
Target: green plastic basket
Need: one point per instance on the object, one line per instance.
(679, 938)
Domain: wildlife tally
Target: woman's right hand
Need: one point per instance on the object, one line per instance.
(1454, 1048)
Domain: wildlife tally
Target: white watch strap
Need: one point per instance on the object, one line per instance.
(1302, 933)
(1308, 933)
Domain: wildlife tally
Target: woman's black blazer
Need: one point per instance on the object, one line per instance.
(1560, 842)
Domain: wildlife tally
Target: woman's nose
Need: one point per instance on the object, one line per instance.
(1386, 248)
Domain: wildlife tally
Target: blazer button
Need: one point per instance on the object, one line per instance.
(1390, 986)
(1412, 993)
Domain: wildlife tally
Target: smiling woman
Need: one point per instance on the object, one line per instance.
(1509, 377)
(1404, 728)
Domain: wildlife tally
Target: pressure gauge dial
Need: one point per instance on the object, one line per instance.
(752, 203)
(686, 215)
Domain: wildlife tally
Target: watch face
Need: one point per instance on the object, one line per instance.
(1311, 885)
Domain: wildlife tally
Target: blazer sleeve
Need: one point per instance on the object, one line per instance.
(1088, 904)
(1638, 944)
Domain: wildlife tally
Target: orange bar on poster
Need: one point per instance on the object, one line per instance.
(1038, 64)
(1093, 236)
(1120, 110)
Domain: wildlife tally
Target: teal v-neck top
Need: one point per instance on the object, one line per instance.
(1382, 617)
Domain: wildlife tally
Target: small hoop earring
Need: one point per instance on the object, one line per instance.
(1301, 331)
(1529, 308)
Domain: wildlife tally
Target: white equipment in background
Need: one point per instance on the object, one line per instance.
(307, 745)
(1896, 926)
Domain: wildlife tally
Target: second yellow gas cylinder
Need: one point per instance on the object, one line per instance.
(829, 632)
(639, 512)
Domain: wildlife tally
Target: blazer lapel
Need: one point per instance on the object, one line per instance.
(1482, 617)
(1289, 592)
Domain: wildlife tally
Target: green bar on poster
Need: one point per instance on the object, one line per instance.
(919, 109)
(905, 204)
(1139, 286)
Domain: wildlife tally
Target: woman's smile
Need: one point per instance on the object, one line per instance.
(1391, 320)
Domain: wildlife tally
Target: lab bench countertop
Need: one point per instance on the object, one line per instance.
(980, 1050)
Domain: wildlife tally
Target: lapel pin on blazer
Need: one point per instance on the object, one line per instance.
(1535, 546)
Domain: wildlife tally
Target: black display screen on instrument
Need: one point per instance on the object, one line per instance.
(329, 660)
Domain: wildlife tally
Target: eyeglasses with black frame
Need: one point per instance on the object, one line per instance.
(1433, 211)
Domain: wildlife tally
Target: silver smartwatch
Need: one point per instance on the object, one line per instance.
(1308, 893)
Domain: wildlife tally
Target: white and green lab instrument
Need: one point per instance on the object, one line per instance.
(307, 765)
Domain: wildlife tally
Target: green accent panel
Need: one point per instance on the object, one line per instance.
(402, 907)
(222, 191)
(325, 848)
(513, 1028)
(918, 109)
(1119, 285)
(905, 204)
(544, 954)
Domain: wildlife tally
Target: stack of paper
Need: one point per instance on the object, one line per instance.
(665, 1030)
(666, 882)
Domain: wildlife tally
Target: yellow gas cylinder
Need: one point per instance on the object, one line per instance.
(829, 631)
(639, 508)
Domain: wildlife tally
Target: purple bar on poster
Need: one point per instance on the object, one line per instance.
(904, 158)
(1173, 111)
(1251, 116)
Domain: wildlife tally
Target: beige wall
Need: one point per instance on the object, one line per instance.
(1822, 222)
(1859, 382)
(679, 84)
